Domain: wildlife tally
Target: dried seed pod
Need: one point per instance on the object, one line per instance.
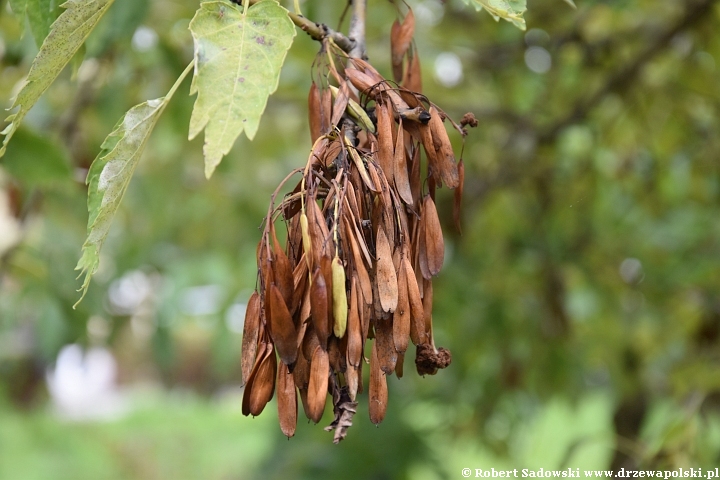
(342, 96)
(318, 384)
(415, 183)
(352, 378)
(400, 39)
(378, 389)
(432, 155)
(399, 366)
(417, 312)
(326, 267)
(336, 355)
(359, 80)
(385, 276)
(355, 338)
(261, 384)
(413, 75)
(300, 280)
(387, 355)
(325, 111)
(434, 242)
(307, 242)
(427, 309)
(401, 317)
(363, 276)
(282, 328)
(287, 401)
(402, 182)
(319, 307)
(385, 140)
(250, 335)
(422, 247)
(282, 271)
(444, 154)
(310, 342)
(314, 113)
(332, 153)
(339, 296)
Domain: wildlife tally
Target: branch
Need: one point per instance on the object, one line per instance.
(319, 31)
(357, 29)
(618, 81)
(626, 75)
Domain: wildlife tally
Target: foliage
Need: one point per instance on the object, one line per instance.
(110, 174)
(238, 55)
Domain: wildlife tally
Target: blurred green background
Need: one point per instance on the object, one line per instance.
(581, 302)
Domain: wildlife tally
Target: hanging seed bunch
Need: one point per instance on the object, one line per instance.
(363, 244)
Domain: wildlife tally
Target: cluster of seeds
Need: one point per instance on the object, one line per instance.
(363, 244)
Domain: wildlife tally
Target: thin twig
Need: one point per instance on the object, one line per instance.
(318, 31)
(357, 29)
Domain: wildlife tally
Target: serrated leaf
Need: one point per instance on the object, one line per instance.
(237, 66)
(510, 10)
(111, 172)
(67, 35)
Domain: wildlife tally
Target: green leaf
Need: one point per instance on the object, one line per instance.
(67, 35)
(49, 163)
(510, 10)
(18, 8)
(111, 172)
(571, 3)
(41, 15)
(237, 66)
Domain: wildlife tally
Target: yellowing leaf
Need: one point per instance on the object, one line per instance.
(237, 66)
(67, 35)
(111, 172)
(510, 10)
